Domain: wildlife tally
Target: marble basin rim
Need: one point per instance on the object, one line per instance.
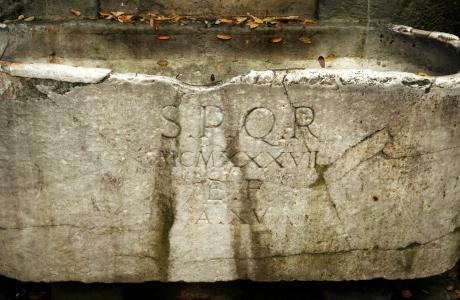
(105, 161)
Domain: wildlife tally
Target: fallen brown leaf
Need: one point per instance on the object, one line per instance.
(117, 13)
(239, 20)
(257, 20)
(331, 57)
(224, 37)
(176, 19)
(457, 293)
(75, 12)
(29, 19)
(224, 21)
(152, 22)
(252, 24)
(125, 18)
(288, 18)
(53, 59)
(218, 68)
(308, 22)
(423, 74)
(104, 14)
(163, 37)
(163, 62)
(21, 17)
(276, 39)
(305, 39)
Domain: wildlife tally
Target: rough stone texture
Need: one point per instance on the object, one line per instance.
(11, 9)
(426, 14)
(276, 175)
(213, 8)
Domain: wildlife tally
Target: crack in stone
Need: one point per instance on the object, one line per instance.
(408, 247)
(389, 157)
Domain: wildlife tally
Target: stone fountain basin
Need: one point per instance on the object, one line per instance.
(287, 172)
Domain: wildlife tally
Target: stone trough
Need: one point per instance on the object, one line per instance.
(238, 159)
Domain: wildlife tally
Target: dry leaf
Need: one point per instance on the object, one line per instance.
(257, 20)
(53, 59)
(270, 20)
(117, 13)
(277, 39)
(152, 23)
(125, 18)
(218, 68)
(176, 19)
(305, 39)
(224, 37)
(75, 12)
(288, 18)
(331, 57)
(252, 24)
(423, 74)
(224, 21)
(457, 293)
(308, 22)
(104, 14)
(163, 37)
(240, 20)
(21, 17)
(29, 19)
(163, 62)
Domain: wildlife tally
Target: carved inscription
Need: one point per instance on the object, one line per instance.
(224, 201)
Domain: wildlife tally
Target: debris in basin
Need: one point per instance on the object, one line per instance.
(29, 19)
(224, 21)
(75, 12)
(276, 39)
(224, 36)
(322, 62)
(240, 20)
(163, 37)
(331, 57)
(305, 39)
(423, 74)
(21, 17)
(163, 62)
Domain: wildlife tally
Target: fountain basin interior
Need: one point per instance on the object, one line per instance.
(193, 52)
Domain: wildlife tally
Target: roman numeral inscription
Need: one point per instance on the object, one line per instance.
(233, 164)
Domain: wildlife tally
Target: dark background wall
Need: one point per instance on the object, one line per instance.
(440, 15)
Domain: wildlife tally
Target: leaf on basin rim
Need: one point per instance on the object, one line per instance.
(29, 19)
(163, 37)
(117, 13)
(224, 37)
(287, 18)
(331, 57)
(423, 74)
(239, 20)
(224, 21)
(309, 22)
(125, 18)
(276, 39)
(75, 12)
(163, 62)
(305, 39)
(257, 20)
(21, 17)
(252, 24)
(176, 19)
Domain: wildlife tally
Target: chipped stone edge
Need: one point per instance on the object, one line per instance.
(313, 77)
(55, 72)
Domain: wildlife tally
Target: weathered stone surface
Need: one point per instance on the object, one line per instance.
(276, 175)
(214, 8)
